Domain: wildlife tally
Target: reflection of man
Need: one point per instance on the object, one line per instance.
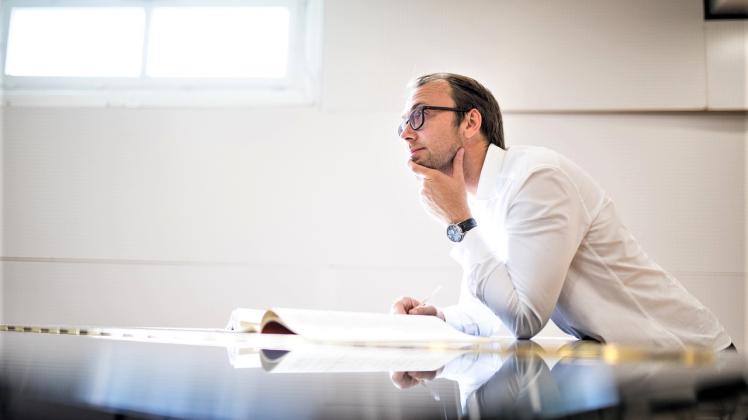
(510, 386)
(519, 383)
(469, 370)
(537, 238)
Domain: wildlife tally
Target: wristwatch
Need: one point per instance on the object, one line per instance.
(457, 231)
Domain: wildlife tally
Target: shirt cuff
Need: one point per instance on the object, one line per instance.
(455, 317)
(452, 317)
(472, 251)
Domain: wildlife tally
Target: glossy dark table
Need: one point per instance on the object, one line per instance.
(225, 376)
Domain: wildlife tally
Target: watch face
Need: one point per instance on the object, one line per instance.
(454, 233)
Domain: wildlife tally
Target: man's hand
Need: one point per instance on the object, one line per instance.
(410, 306)
(405, 380)
(443, 195)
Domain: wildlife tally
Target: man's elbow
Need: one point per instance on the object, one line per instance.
(527, 326)
(524, 334)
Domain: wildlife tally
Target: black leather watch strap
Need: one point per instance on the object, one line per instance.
(467, 224)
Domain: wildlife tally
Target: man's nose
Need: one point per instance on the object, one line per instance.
(408, 133)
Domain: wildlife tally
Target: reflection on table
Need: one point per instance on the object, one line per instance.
(263, 376)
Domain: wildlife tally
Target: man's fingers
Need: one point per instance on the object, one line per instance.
(404, 305)
(408, 305)
(399, 307)
(402, 380)
(425, 375)
(422, 310)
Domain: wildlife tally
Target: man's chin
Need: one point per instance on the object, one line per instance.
(422, 162)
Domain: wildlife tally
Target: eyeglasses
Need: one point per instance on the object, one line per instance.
(416, 118)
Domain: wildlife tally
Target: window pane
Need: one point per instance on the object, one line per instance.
(75, 42)
(242, 42)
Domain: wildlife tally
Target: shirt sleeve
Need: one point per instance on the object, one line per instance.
(470, 315)
(545, 223)
(470, 370)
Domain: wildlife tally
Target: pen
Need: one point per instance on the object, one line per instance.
(431, 296)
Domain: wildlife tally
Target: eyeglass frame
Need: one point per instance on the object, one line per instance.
(421, 109)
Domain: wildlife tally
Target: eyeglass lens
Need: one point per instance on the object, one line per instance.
(415, 119)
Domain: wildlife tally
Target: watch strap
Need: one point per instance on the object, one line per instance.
(467, 224)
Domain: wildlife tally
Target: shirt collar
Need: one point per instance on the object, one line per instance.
(492, 165)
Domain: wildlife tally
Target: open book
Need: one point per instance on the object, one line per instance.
(357, 328)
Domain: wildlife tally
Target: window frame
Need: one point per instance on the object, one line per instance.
(300, 86)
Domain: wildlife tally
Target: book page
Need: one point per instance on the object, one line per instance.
(245, 320)
(369, 328)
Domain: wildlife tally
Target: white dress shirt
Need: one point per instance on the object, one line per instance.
(550, 245)
(470, 371)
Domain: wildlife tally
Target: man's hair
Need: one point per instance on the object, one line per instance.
(467, 93)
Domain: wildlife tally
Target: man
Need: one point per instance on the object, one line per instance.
(536, 237)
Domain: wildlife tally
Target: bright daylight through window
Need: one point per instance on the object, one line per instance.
(248, 52)
(58, 42)
(251, 41)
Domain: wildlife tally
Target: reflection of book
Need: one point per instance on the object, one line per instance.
(352, 327)
(312, 359)
(244, 357)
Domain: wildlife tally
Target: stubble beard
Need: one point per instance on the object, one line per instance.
(440, 163)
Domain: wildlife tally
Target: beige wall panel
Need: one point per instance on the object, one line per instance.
(236, 186)
(676, 179)
(568, 54)
(727, 64)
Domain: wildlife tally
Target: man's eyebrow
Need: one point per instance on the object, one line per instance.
(414, 106)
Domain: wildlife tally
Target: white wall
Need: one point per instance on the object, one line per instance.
(175, 216)
(2, 208)
(727, 64)
(562, 55)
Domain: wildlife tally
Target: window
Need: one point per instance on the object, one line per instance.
(49, 42)
(253, 42)
(160, 52)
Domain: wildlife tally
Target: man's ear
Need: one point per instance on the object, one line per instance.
(472, 123)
